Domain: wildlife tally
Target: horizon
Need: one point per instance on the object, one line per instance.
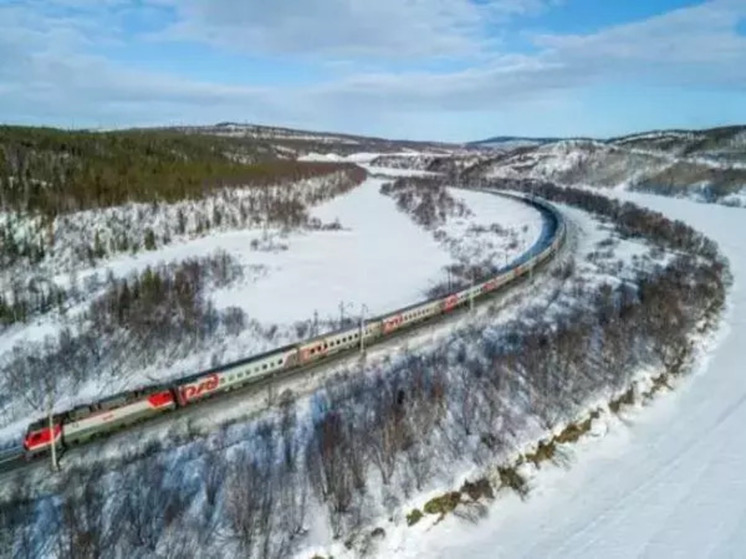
(496, 137)
(464, 71)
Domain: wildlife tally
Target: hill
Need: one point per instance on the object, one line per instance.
(709, 165)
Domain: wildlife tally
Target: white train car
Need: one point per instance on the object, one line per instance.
(114, 414)
(329, 344)
(234, 375)
(410, 315)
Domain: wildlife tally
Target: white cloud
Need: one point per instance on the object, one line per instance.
(348, 28)
(695, 45)
(49, 69)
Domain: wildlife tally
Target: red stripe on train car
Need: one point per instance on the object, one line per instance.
(42, 438)
(160, 399)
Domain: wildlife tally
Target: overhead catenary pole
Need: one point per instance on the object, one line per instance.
(471, 291)
(363, 309)
(55, 465)
(342, 307)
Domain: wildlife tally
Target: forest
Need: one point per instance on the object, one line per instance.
(51, 172)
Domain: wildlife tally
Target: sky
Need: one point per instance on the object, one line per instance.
(451, 70)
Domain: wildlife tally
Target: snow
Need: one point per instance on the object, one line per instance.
(736, 199)
(398, 538)
(392, 172)
(364, 157)
(614, 165)
(360, 265)
(380, 259)
(667, 480)
(489, 245)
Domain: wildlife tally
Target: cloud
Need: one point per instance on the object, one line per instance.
(689, 46)
(697, 46)
(348, 28)
(51, 70)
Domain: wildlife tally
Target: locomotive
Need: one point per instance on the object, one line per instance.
(101, 418)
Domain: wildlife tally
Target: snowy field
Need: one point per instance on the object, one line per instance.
(364, 160)
(381, 259)
(666, 480)
(378, 261)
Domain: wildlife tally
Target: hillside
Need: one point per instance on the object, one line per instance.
(294, 143)
(708, 165)
(54, 171)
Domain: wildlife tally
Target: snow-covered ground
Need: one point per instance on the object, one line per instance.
(362, 157)
(588, 237)
(666, 480)
(362, 264)
(380, 259)
(365, 159)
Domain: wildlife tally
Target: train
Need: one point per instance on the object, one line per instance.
(104, 417)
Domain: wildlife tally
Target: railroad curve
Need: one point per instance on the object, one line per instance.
(193, 390)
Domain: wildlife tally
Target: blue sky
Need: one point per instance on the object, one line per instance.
(422, 69)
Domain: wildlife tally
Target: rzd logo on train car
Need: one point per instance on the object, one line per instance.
(392, 323)
(489, 286)
(450, 302)
(197, 390)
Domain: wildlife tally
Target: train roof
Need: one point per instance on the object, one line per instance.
(236, 363)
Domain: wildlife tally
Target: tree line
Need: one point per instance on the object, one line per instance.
(426, 200)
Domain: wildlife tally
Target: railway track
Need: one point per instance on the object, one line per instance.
(14, 461)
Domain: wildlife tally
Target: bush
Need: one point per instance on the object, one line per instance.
(509, 477)
(443, 504)
(414, 517)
